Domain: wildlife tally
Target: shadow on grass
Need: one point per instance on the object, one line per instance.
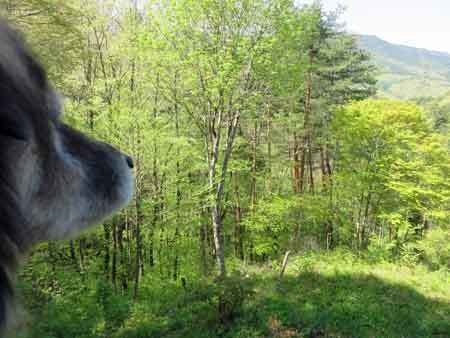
(311, 305)
(344, 305)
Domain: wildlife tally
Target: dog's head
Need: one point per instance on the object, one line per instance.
(54, 181)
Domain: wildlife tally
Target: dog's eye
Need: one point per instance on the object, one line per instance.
(15, 133)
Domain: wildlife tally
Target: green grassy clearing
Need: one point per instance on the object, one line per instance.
(321, 295)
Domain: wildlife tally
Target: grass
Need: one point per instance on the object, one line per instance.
(340, 296)
(321, 295)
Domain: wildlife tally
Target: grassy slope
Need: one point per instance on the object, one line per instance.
(340, 296)
(334, 295)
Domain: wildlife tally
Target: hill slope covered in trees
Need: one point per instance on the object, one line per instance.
(408, 72)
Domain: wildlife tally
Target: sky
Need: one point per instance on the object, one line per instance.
(416, 23)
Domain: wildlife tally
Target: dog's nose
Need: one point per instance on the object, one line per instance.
(129, 161)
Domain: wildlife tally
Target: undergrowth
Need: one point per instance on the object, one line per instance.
(321, 295)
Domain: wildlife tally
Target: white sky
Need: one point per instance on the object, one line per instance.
(417, 23)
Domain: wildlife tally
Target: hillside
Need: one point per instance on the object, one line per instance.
(322, 295)
(408, 72)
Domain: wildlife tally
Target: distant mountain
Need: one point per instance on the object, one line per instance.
(408, 72)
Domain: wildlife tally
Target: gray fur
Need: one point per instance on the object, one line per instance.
(54, 181)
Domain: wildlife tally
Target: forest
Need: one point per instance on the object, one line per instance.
(277, 195)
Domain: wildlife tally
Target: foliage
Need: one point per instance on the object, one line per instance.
(253, 133)
(434, 248)
(398, 167)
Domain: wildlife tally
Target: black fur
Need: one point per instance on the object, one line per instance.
(16, 95)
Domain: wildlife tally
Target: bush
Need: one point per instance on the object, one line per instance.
(115, 308)
(232, 292)
(380, 251)
(434, 248)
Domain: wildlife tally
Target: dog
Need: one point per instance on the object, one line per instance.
(54, 180)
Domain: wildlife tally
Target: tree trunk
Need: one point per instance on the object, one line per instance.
(114, 255)
(106, 240)
(297, 165)
(307, 127)
(238, 230)
(81, 254)
(323, 168)
(218, 240)
(178, 178)
(73, 255)
(363, 239)
(204, 245)
(269, 148)
(311, 167)
(138, 258)
(176, 260)
(254, 163)
(151, 247)
(217, 188)
(284, 264)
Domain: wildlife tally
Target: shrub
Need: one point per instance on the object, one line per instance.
(231, 294)
(434, 248)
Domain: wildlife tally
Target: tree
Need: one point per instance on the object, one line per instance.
(218, 42)
(392, 170)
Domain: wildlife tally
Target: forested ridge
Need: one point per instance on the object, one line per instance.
(408, 72)
(276, 196)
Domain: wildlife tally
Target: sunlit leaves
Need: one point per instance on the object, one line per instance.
(389, 151)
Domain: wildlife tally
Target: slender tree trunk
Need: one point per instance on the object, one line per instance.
(269, 148)
(160, 251)
(73, 255)
(254, 164)
(238, 227)
(359, 221)
(129, 232)
(178, 178)
(81, 254)
(310, 165)
(176, 260)
(307, 127)
(218, 240)
(204, 242)
(107, 256)
(156, 198)
(151, 246)
(297, 165)
(122, 275)
(217, 188)
(284, 264)
(328, 163)
(138, 257)
(363, 239)
(114, 255)
(301, 179)
(323, 169)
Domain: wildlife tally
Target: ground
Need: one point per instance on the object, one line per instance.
(321, 295)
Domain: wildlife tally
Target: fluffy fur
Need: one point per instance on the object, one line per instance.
(54, 181)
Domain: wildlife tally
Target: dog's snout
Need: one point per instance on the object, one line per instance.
(129, 161)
